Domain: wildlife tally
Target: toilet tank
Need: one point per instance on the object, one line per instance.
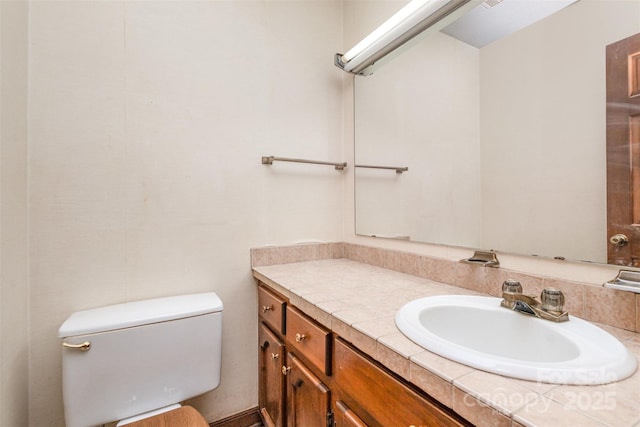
(143, 355)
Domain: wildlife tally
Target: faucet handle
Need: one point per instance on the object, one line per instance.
(511, 285)
(552, 300)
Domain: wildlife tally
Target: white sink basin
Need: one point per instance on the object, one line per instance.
(477, 332)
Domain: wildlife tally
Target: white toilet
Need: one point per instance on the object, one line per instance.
(138, 360)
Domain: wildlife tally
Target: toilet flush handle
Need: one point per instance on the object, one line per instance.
(85, 346)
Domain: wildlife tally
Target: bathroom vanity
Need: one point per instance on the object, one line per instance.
(310, 376)
(330, 350)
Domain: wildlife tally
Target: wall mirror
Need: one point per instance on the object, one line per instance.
(505, 142)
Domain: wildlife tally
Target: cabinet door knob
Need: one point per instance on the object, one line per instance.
(274, 356)
(266, 308)
(285, 370)
(300, 337)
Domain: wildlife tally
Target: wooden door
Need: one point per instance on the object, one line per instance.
(308, 399)
(271, 381)
(623, 152)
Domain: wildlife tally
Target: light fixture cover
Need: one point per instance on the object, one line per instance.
(483, 25)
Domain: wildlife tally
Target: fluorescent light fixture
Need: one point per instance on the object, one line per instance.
(408, 22)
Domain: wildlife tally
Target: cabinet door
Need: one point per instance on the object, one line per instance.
(379, 398)
(308, 399)
(271, 380)
(345, 417)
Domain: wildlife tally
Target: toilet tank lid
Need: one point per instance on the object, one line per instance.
(138, 313)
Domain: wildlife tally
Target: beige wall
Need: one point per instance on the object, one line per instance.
(148, 121)
(13, 215)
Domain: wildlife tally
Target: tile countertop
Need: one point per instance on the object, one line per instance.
(359, 301)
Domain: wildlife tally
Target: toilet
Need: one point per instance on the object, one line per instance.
(136, 362)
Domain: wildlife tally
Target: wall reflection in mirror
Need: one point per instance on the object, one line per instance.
(505, 143)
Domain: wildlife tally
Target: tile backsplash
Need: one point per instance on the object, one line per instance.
(591, 302)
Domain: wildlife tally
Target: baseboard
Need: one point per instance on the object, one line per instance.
(248, 418)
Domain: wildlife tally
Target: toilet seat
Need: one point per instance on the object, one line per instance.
(185, 416)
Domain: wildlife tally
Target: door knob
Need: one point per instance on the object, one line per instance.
(619, 240)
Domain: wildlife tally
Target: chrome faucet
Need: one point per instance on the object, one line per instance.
(549, 308)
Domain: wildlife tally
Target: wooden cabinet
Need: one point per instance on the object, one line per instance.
(371, 391)
(272, 382)
(345, 417)
(312, 378)
(308, 399)
(295, 353)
